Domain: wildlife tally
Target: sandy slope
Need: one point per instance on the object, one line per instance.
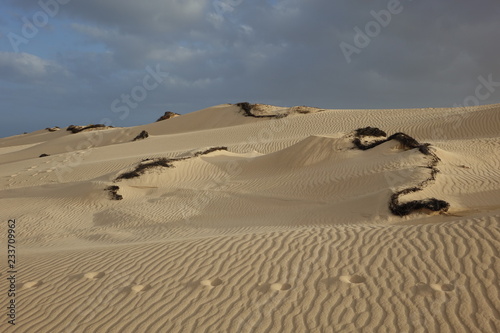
(289, 230)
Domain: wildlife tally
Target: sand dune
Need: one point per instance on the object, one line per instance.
(289, 228)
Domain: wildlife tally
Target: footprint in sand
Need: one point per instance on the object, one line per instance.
(138, 288)
(447, 287)
(135, 288)
(93, 275)
(353, 279)
(422, 289)
(31, 284)
(281, 286)
(211, 283)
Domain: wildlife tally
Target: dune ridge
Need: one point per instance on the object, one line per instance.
(302, 220)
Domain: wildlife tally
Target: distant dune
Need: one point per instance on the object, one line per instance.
(258, 218)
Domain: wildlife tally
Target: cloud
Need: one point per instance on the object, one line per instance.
(26, 68)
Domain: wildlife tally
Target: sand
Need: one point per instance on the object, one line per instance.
(288, 230)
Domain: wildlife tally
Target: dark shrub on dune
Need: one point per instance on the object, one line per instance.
(370, 131)
(407, 142)
(167, 115)
(77, 129)
(247, 110)
(402, 209)
(209, 150)
(113, 191)
(141, 136)
(142, 167)
(53, 129)
(44, 155)
(424, 149)
(149, 163)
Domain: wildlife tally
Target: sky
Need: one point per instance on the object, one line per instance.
(125, 63)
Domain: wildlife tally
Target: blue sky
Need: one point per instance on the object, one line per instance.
(87, 54)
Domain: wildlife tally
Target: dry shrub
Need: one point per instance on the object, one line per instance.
(407, 142)
(141, 136)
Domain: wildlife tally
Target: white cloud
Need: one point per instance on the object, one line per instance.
(26, 67)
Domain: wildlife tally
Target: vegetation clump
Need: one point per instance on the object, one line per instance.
(141, 136)
(44, 155)
(370, 131)
(167, 115)
(142, 167)
(406, 208)
(247, 110)
(209, 150)
(407, 142)
(53, 129)
(77, 129)
(150, 163)
(113, 191)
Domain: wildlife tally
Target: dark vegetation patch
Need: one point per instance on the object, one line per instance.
(402, 209)
(167, 115)
(406, 141)
(247, 111)
(53, 129)
(141, 136)
(370, 131)
(251, 110)
(44, 155)
(142, 167)
(209, 150)
(149, 163)
(113, 192)
(77, 129)
(406, 208)
(246, 108)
